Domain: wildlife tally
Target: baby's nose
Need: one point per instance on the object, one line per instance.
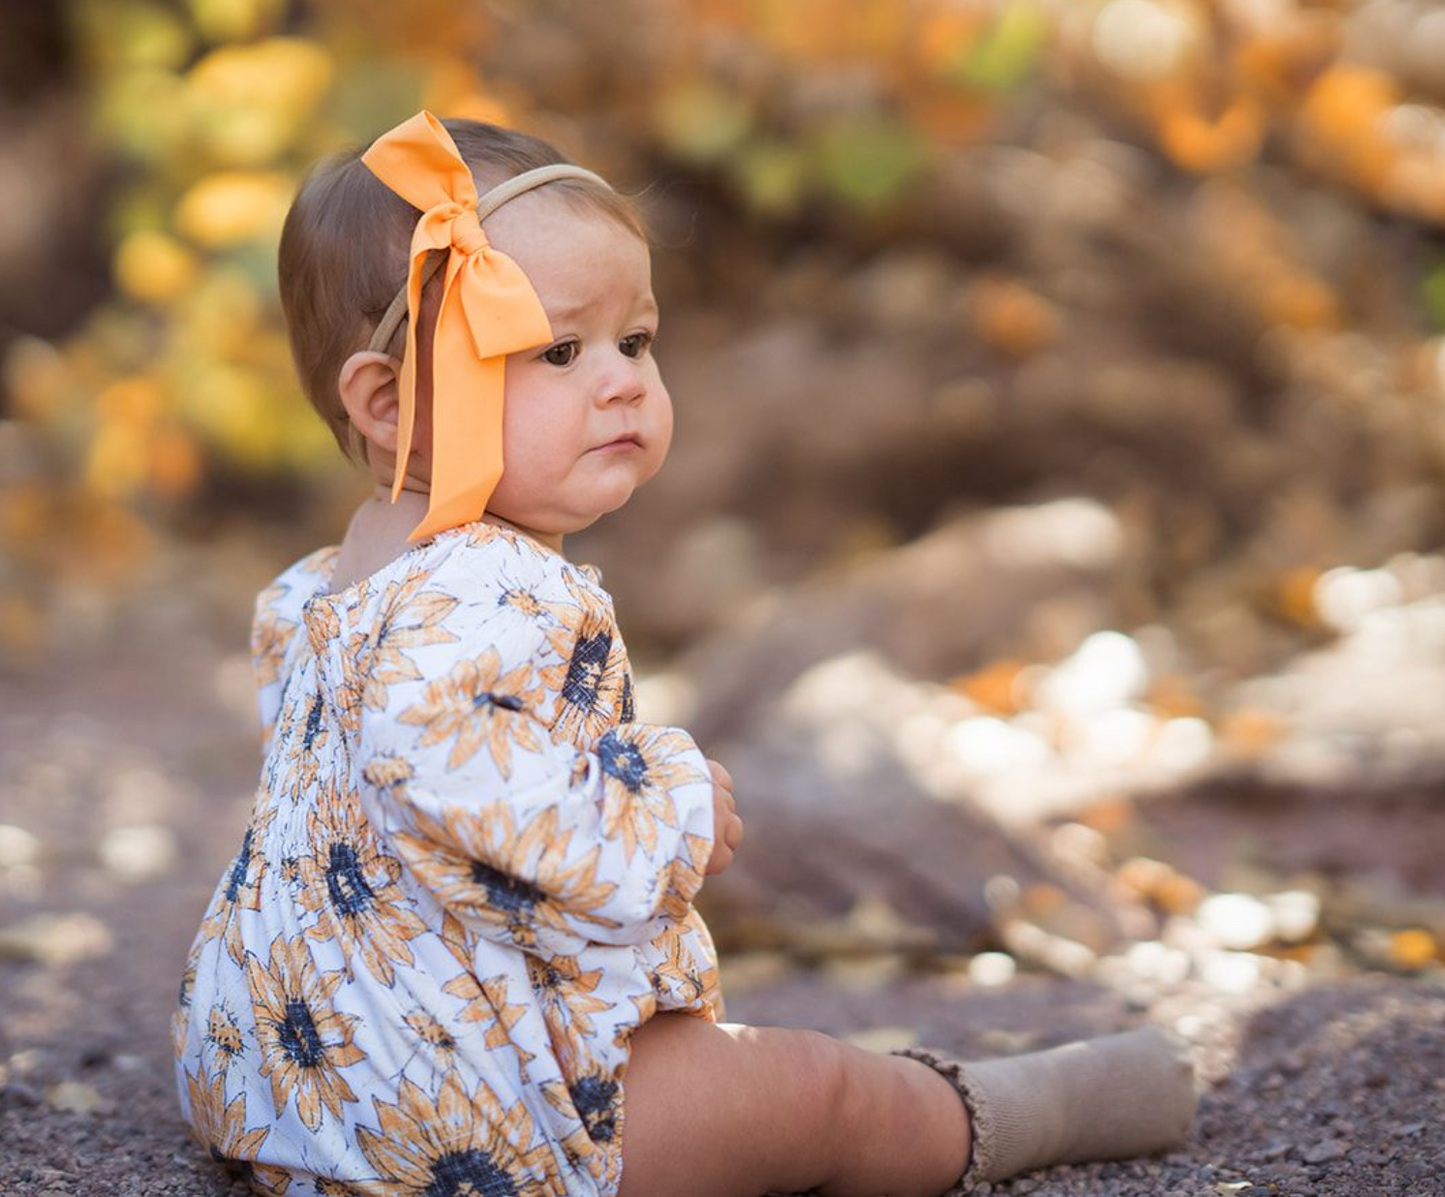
(624, 381)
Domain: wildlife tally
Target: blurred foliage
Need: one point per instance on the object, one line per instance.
(207, 111)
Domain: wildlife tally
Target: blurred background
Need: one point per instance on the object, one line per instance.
(1052, 544)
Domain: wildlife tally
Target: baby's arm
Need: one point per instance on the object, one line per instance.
(539, 845)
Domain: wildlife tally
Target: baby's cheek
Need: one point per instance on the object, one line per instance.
(658, 446)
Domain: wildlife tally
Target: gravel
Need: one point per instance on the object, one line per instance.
(1330, 1088)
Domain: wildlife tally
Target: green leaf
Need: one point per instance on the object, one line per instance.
(1006, 54)
(701, 122)
(867, 159)
(1432, 295)
(771, 175)
(114, 35)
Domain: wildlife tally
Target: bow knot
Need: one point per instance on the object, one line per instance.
(468, 236)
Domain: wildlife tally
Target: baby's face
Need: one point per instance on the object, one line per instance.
(587, 419)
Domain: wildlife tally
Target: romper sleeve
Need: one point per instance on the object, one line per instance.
(537, 844)
(272, 633)
(276, 620)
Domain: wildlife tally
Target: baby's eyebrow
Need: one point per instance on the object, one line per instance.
(568, 311)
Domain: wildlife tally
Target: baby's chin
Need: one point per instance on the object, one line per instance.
(608, 494)
(555, 522)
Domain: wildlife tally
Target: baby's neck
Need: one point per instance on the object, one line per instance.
(377, 534)
(553, 540)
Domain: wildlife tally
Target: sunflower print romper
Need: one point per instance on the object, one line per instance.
(467, 879)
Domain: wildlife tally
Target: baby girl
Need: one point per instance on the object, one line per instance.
(457, 952)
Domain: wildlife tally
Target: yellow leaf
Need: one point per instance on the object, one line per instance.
(144, 114)
(134, 35)
(251, 101)
(134, 401)
(1249, 732)
(1413, 948)
(229, 207)
(1300, 302)
(1011, 319)
(221, 318)
(153, 267)
(998, 687)
(1296, 596)
(233, 20)
(174, 468)
(115, 463)
(699, 121)
(1206, 146)
(1340, 123)
(1170, 696)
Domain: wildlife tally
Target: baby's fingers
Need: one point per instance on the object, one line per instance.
(721, 857)
(720, 775)
(725, 844)
(733, 836)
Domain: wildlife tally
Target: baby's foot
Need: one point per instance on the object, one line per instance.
(1096, 1099)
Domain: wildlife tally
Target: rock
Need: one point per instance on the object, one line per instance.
(1238, 921)
(1323, 1151)
(1283, 1171)
(140, 852)
(56, 939)
(17, 847)
(75, 1097)
(19, 1093)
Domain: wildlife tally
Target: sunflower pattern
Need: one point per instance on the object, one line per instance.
(593, 681)
(351, 887)
(220, 1127)
(566, 994)
(513, 884)
(240, 887)
(276, 621)
(467, 881)
(595, 1096)
(476, 705)
(456, 1142)
(304, 1042)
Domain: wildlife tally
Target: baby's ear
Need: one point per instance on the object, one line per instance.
(367, 384)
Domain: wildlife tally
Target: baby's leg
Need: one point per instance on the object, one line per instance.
(726, 1110)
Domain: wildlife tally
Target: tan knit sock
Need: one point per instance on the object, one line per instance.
(1097, 1099)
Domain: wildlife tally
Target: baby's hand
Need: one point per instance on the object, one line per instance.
(727, 828)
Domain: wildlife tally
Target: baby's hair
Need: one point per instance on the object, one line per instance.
(344, 247)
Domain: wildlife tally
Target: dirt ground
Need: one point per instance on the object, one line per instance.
(126, 778)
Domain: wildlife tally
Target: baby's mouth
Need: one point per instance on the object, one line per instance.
(630, 438)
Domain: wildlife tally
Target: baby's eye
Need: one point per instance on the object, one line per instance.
(640, 343)
(566, 349)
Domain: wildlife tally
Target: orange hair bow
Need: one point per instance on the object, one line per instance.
(488, 310)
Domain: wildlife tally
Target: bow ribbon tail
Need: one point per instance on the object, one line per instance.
(467, 392)
(488, 310)
(431, 233)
